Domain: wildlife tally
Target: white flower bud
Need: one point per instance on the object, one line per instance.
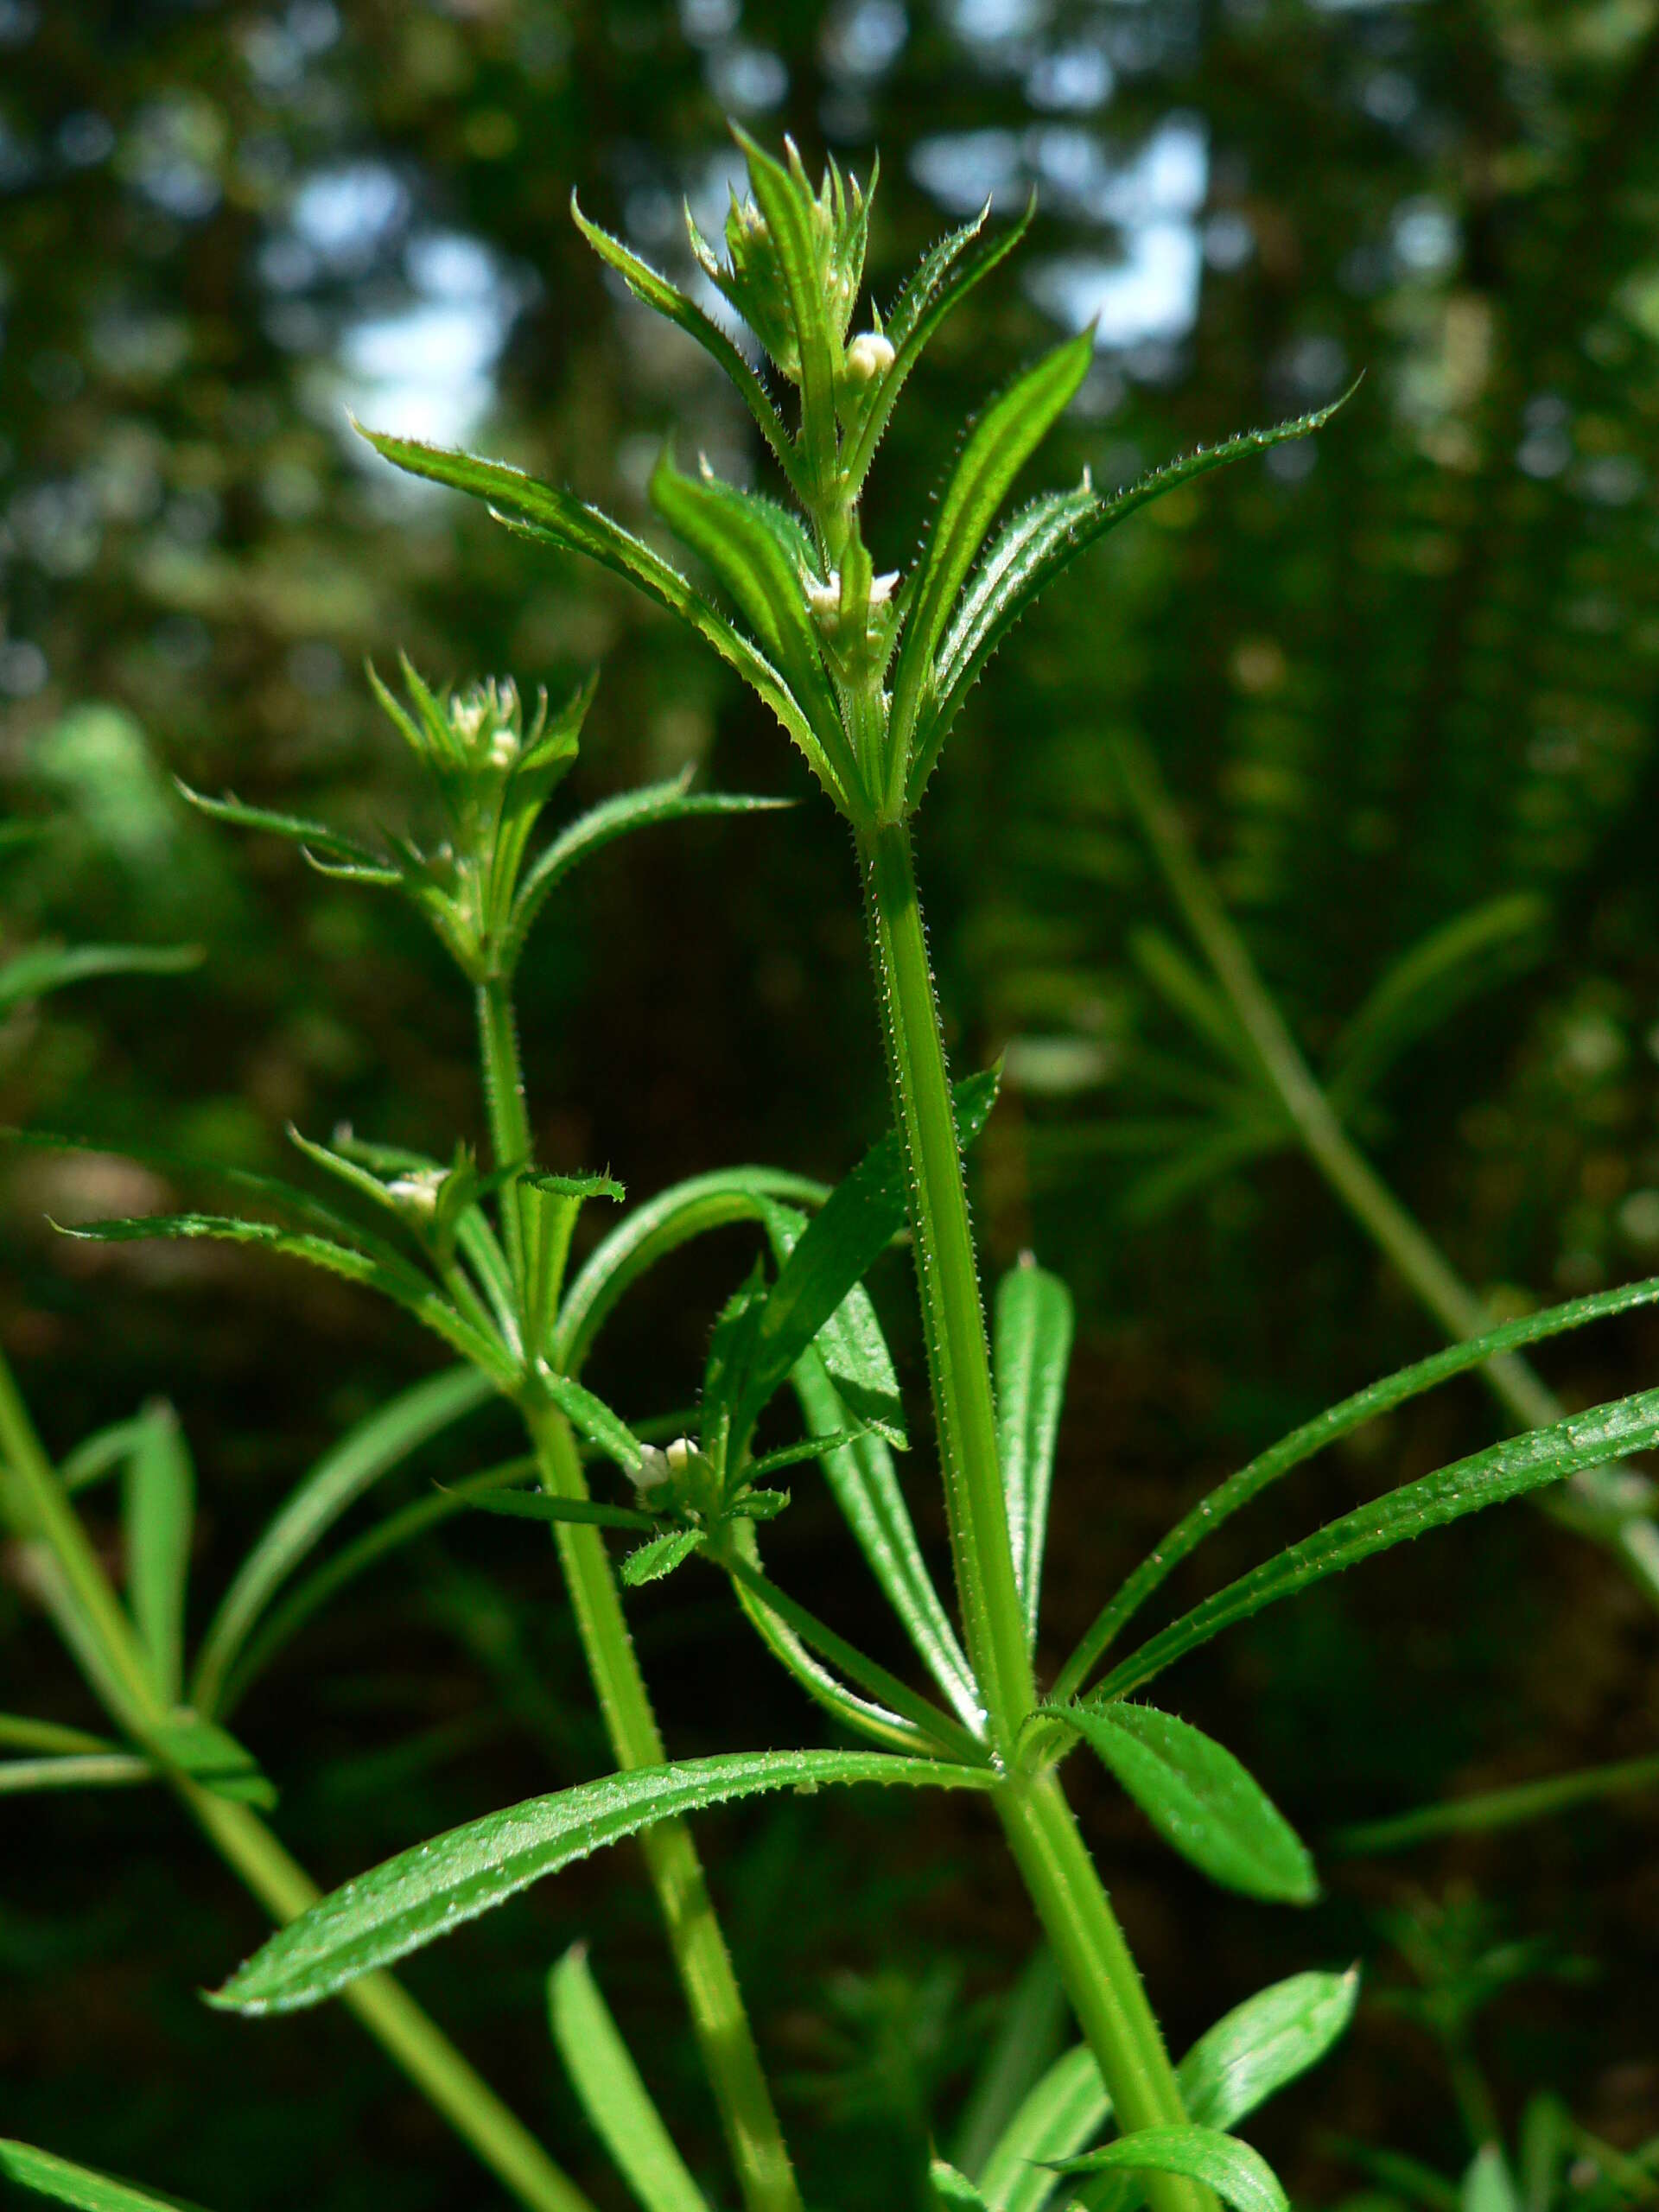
(653, 1469)
(869, 355)
(680, 1454)
(418, 1191)
(823, 600)
(882, 588)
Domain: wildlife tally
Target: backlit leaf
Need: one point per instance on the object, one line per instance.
(1240, 2176)
(1032, 1333)
(66, 2183)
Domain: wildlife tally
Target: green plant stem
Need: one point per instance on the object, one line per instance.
(1605, 1502)
(504, 1098)
(724, 2035)
(1100, 1974)
(424, 2055)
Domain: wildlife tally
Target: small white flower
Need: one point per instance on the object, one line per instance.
(882, 588)
(504, 749)
(418, 1191)
(653, 1469)
(869, 355)
(824, 598)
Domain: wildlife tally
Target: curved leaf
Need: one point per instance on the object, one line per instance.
(349, 1468)
(64, 2183)
(44, 968)
(425, 1893)
(1503, 1471)
(1033, 1325)
(608, 2085)
(1200, 1799)
(1239, 2175)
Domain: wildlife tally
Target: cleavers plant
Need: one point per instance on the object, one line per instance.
(868, 672)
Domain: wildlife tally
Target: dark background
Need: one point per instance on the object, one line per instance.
(1390, 674)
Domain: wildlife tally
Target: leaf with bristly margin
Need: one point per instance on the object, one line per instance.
(761, 557)
(1503, 1471)
(66, 2183)
(671, 801)
(952, 2190)
(592, 1418)
(1492, 943)
(158, 1515)
(999, 445)
(1032, 1336)
(645, 283)
(316, 837)
(390, 1275)
(786, 202)
(1200, 1799)
(662, 1555)
(1325, 1428)
(609, 2087)
(44, 968)
(374, 1446)
(425, 1893)
(211, 1756)
(1029, 577)
(539, 510)
(850, 1341)
(574, 1186)
(538, 1505)
(942, 281)
(1240, 2176)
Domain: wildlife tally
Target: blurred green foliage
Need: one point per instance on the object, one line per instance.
(1390, 673)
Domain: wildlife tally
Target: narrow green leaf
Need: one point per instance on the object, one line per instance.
(792, 1455)
(592, 1418)
(538, 1505)
(1215, 1153)
(942, 280)
(96, 1455)
(44, 968)
(63, 2181)
(210, 1755)
(786, 208)
(850, 1338)
(1325, 1428)
(1492, 943)
(645, 282)
(158, 1517)
(1503, 1471)
(1199, 1798)
(953, 2189)
(662, 1555)
(22, 1732)
(373, 1447)
(1196, 1001)
(73, 1771)
(574, 1186)
(611, 2093)
(1000, 443)
(425, 1893)
(600, 826)
(332, 844)
(539, 510)
(1254, 2050)
(1064, 2111)
(1240, 2176)
(1486, 2184)
(1032, 1332)
(1500, 1809)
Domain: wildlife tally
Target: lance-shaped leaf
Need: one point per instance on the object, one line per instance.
(1490, 1478)
(1199, 1798)
(942, 281)
(1249, 2055)
(1057, 539)
(662, 1555)
(378, 1444)
(1239, 2175)
(158, 1517)
(428, 1890)
(670, 801)
(646, 284)
(1033, 1348)
(1500, 1809)
(613, 2093)
(952, 2190)
(75, 1770)
(999, 445)
(762, 558)
(540, 511)
(64, 2183)
(211, 1756)
(787, 201)
(315, 837)
(591, 1417)
(538, 1505)
(44, 967)
(1313, 1436)
(390, 1275)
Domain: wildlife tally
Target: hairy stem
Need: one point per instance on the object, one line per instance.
(410, 2039)
(1610, 1504)
(1099, 1971)
(715, 2003)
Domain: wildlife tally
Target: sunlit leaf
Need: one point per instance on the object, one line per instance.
(1240, 2176)
(428, 1890)
(1033, 1335)
(66, 2183)
(74, 1770)
(613, 2094)
(661, 1555)
(786, 208)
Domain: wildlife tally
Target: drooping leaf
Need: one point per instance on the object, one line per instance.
(1490, 1478)
(1032, 1334)
(1199, 1798)
(657, 292)
(540, 511)
(662, 1555)
(44, 968)
(376, 1444)
(158, 1517)
(942, 280)
(1325, 1428)
(1240, 2176)
(66, 2183)
(671, 801)
(425, 1893)
(1000, 443)
(607, 2083)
